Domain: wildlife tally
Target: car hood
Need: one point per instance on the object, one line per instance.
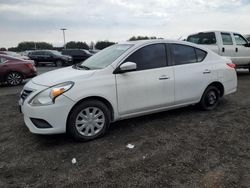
(62, 75)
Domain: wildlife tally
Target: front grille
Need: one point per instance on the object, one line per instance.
(25, 93)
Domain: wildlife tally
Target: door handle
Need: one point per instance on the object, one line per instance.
(207, 71)
(164, 77)
(223, 49)
(236, 49)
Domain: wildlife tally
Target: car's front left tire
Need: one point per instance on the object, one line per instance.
(88, 120)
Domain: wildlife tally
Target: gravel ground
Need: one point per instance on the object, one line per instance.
(179, 148)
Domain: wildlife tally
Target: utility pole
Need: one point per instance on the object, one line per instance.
(63, 29)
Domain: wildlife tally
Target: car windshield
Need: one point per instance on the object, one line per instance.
(105, 57)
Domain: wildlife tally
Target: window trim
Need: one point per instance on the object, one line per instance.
(167, 53)
(172, 54)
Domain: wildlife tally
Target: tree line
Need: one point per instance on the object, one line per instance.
(30, 45)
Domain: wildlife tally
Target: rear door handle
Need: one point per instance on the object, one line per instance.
(164, 77)
(207, 71)
(236, 49)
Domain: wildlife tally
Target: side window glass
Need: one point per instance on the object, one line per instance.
(183, 54)
(226, 39)
(149, 57)
(240, 40)
(200, 54)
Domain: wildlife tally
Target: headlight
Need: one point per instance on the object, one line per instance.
(48, 96)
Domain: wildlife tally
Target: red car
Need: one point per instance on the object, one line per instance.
(14, 70)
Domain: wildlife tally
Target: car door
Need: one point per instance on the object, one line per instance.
(48, 56)
(228, 47)
(242, 50)
(3, 68)
(151, 86)
(192, 73)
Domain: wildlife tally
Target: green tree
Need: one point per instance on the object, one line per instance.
(34, 45)
(13, 49)
(103, 44)
(134, 38)
(77, 45)
(3, 49)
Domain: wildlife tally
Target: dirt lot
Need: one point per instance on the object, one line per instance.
(179, 148)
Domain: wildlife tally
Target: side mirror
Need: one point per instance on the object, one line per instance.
(126, 67)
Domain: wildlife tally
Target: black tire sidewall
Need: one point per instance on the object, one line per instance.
(75, 111)
(203, 104)
(59, 63)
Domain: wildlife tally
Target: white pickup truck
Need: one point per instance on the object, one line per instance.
(224, 43)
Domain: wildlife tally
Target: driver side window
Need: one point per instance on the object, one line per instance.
(149, 57)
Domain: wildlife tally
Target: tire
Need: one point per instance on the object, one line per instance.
(14, 78)
(88, 120)
(59, 63)
(36, 63)
(210, 98)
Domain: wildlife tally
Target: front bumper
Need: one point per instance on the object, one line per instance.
(55, 114)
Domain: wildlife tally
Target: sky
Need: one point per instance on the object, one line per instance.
(117, 20)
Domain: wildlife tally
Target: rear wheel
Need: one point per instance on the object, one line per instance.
(14, 78)
(210, 98)
(59, 63)
(88, 120)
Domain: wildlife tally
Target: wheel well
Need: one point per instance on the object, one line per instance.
(219, 86)
(101, 99)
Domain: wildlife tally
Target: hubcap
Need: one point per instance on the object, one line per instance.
(211, 98)
(90, 121)
(14, 78)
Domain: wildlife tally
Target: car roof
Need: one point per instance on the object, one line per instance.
(139, 43)
(213, 31)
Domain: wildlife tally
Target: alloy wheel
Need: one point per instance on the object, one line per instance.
(14, 78)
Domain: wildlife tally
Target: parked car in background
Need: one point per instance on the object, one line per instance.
(123, 81)
(14, 70)
(94, 51)
(26, 53)
(14, 54)
(248, 37)
(224, 43)
(78, 55)
(50, 56)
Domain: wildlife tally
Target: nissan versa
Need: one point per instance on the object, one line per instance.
(123, 81)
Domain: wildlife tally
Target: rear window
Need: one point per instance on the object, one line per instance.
(203, 38)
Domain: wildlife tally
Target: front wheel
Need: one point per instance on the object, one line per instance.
(88, 120)
(14, 78)
(210, 98)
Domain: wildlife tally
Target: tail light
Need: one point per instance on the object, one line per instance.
(231, 65)
(30, 65)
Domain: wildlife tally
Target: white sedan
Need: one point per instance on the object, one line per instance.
(123, 81)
